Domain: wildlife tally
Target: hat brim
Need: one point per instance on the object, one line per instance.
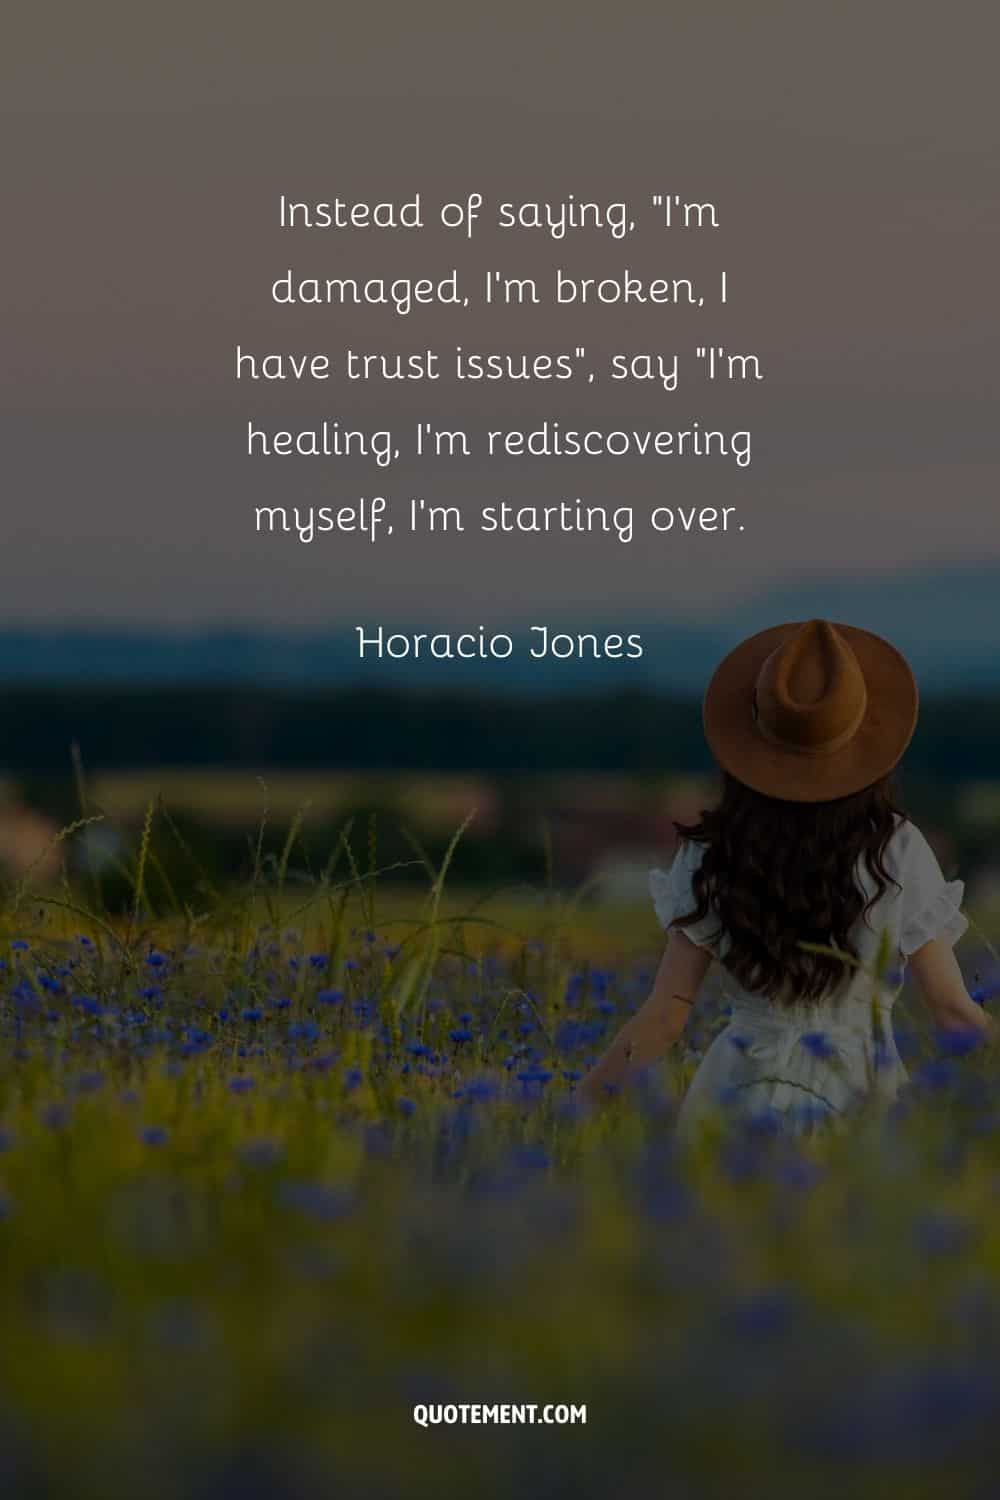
(877, 746)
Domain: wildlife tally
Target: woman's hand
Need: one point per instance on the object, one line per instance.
(936, 970)
(656, 1026)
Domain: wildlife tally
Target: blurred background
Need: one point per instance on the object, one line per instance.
(152, 643)
(579, 785)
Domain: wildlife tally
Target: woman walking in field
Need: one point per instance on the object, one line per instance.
(806, 883)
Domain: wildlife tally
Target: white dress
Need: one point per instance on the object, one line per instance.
(807, 1062)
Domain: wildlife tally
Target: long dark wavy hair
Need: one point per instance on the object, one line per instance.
(779, 874)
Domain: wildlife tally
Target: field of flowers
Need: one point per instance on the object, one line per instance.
(277, 1170)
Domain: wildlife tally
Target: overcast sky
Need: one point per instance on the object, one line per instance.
(853, 152)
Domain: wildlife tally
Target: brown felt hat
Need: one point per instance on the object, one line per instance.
(810, 711)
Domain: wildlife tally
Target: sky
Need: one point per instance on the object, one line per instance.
(853, 152)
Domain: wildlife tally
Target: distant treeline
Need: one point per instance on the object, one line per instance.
(124, 728)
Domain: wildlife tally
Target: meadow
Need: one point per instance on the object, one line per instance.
(280, 1162)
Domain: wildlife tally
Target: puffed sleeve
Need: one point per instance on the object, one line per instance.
(931, 905)
(673, 895)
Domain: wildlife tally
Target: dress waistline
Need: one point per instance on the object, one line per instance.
(788, 1022)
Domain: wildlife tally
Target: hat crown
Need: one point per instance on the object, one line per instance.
(810, 696)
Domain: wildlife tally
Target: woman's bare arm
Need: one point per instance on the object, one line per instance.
(935, 968)
(657, 1024)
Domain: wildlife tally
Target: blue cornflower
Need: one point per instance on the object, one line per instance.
(907, 1044)
(252, 1013)
(534, 1075)
(319, 960)
(569, 1035)
(958, 1041)
(936, 1074)
(481, 1088)
(461, 1034)
(19, 945)
(195, 1040)
(154, 1135)
(809, 1114)
(321, 1064)
(764, 1123)
(797, 1172)
(329, 997)
(405, 1106)
(303, 1031)
(882, 1056)
(352, 1078)
(819, 1044)
(155, 959)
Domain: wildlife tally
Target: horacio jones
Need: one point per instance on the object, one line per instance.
(539, 641)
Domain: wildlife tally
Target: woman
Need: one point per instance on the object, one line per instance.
(806, 883)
